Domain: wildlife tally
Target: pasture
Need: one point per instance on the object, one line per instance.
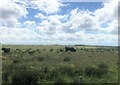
(35, 64)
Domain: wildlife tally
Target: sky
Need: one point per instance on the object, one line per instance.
(49, 22)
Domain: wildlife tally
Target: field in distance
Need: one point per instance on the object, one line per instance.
(52, 64)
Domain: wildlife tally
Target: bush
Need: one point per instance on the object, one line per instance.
(16, 61)
(37, 49)
(101, 70)
(5, 76)
(31, 52)
(44, 49)
(67, 69)
(103, 66)
(51, 49)
(39, 58)
(76, 80)
(61, 50)
(78, 71)
(90, 71)
(60, 79)
(67, 59)
(25, 75)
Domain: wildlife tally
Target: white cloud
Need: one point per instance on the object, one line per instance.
(47, 6)
(108, 15)
(40, 16)
(113, 27)
(56, 19)
(74, 12)
(79, 21)
(47, 27)
(83, 21)
(73, 28)
(17, 35)
(10, 12)
(10, 22)
(92, 21)
(30, 23)
(108, 12)
(51, 25)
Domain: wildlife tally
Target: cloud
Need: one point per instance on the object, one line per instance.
(102, 20)
(40, 16)
(108, 15)
(80, 21)
(47, 6)
(10, 12)
(113, 27)
(9, 22)
(83, 21)
(51, 25)
(17, 36)
(46, 27)
(108, 12)
(76, 27)
(30, 23)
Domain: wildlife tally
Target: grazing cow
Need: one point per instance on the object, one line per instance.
(70, 49)
(6, 50)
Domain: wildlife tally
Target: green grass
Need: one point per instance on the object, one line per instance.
(52, 57)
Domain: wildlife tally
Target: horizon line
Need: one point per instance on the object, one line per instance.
(63, 45)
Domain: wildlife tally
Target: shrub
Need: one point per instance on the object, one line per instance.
(90, 71)
(67, 59)
(61, 50)
(64, 69)
(31, 52)
(5, 75)
(76, 80)
(37, 49)
(44, 49)
(51, 49)
(54, 73)
(25, 75)
(39, 58)
(103, 66)
(101, 70)
(67, 69)
(78, 71)
(89, 56)
(16, 61)
(60, 79)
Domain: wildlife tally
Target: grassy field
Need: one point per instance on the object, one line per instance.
(51, 64)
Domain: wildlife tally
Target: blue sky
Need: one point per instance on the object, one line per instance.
(91, 6)
(55, 22)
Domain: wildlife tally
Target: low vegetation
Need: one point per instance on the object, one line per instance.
(33, 65)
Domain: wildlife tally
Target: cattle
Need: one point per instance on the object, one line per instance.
(6, 50)
(70, 49)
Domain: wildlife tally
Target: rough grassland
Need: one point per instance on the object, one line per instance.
(38, 57)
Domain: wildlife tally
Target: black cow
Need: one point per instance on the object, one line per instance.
(70, 49)
(6, 50)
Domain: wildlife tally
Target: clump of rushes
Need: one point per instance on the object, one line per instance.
(67, 59)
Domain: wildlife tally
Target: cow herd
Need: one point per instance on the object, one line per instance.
(67, 49)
